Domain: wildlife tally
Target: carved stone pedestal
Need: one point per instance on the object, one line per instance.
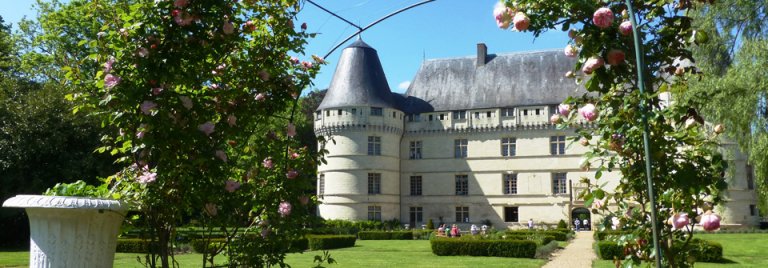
(71, 231)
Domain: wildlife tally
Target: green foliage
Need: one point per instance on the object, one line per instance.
(545, 251)
(319, 242)
(608, 234)
(133, 245)
(558, 235)
(209, 245)
(78, 188)
(561, 224)
(609, 250)
(320, 260)
(496, 248)
(703, 250)
(430, 225)
(385, 235)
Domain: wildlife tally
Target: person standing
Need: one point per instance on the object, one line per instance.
(586, 224)
(576, 224)
(530, 224)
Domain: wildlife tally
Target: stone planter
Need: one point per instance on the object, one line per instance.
(71, 231)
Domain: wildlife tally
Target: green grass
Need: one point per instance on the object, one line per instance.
(366, 253)
(739, 250)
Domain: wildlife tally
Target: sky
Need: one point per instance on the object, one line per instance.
(439, 29)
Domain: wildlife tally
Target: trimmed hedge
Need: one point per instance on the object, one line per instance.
(600, 236)
(199, 245)
(381, 235)
(318, 242)
(540, 239)
(559, 235)
(133, 245)
(701, 250)
(494, 248)
(608, 250)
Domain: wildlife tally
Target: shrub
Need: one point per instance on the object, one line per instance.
(382, 235)
(703, 250)
(600, 236)
(540, 239)
(318, 242)
(298, 245)
(212, 244)
(133, 245)
(422, 234)
(608, 250)
(559, 235)
(561, 224)
(430, 225)
(544, 251)
(495, 248)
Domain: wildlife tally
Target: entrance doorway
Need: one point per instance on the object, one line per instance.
(584, 218)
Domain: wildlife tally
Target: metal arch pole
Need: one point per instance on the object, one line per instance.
(646, 131)
(360, 30)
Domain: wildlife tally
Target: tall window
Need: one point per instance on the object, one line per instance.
(414, 117)
(462, 214)
(321, 185)
(507, 112)
(460, 115)
(374, 183)
(460, 148)
(377, 111)
(558, 183)
(462, 185)
(508, 146)
(511, 214)
(374, 145)
(415, 185)
(557, 145)
(416, 215)
(750, 178)
(510, 183)
(753, 210)
(415, 150)
(374, 213)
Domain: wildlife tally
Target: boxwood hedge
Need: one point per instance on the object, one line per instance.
(495, 248)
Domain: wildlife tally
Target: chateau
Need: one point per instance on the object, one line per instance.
(469, 142)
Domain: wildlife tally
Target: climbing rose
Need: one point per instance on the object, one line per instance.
(111, 81)
(570, 51)
(555, 118)
(564, 109)
(290, 130)
(304, 26)
(293, 155)
(140, 134)
(267, 163)
(228, 28)
(148, 106)
(232, 120)
(294, 60)
(249, 26)
(616, 57)
(306, 65)
(503, 15)
(625, 28)
(598, 203)
(142, 52)
(719, 128)
(583, 141)
(156, 90)
(603, 17)
(589, 112)
(186, 102)
(679, 220)
(284, 209)
(710, 221)
(108, 65)
(147, 177)
(291, 174)
(592, 64)
(521, 21)
(231, 186)
(221, 155)
(206, 128)
(260, 97)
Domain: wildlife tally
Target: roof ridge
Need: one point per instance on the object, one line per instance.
(497, 54)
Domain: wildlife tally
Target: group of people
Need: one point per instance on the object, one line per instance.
(581, 224)
(455, 231)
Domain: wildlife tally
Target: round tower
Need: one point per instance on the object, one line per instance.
(361, 179)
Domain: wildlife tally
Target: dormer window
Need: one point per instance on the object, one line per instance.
(377, 111)
(507, 112)
(460, 115)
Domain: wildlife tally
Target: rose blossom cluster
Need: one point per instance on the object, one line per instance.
(506, 16)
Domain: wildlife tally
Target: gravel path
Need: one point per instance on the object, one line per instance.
(577, 254)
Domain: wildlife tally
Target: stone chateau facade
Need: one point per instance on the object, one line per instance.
(469, 142)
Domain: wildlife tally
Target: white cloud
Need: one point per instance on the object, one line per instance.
(404, 85)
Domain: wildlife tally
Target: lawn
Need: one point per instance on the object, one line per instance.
(739, 250)
(366, 253)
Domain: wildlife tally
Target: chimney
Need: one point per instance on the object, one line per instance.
(482, 54)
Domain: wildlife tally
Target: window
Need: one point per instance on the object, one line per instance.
(488, 114)
(377, 111)
(753, 210)
(511, 214)
(374, 213)
(414, 151)
(354, 111)
(431, 117)
(394, 114)
(462, 214)
(442, 117)
(414, 117)
(477, 115)
(460, 115)
(374, 183)
(538, 111)
(321, 185)
(327, 112)
(525, 112)
(417, 215)
(750, 177)
(508, 146)
(510, 183)
(415, 185)
(507, 112)
(374, 145)
(318, 115)
(462, 185)
(558, 183)
(460, 148)
(557, 145)
(338, 112)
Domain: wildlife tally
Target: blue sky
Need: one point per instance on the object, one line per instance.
(440, 29)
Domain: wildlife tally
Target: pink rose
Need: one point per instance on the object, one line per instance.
(304, 200)
(598, 204)
(231, 186)
(710, 221)
(616, 57)
(625, 28)
(111, 81)
(293, 155)
(564, 109)
(589, 112)
(555, 118)
(186, 102)
(148, 106)
(267, 163)
(603, 17)
(249, 26)
(521, 21)
(211, 209)
(503, 15)
(592, 64)
(259, 97)
(232, 120)
(679, 220)
(180, 3)
(142, 52)
(570, 51)
(306, 65)
(140, 134)
(214, 86)
(147, 177)
(290, 130)
(206, 128)
(221, 155)
(228, 28)
(156, 90)
(583, 141)
(284, 209)
(294, 60)
(292, 174)
(108, 65)
(719, 128)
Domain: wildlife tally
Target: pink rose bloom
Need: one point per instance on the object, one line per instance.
(260, 97)
(140, 134)
(304, 26)
(304, 200)
(583, 141)
(206, 128)
(231, 186)
(570, 51)
(306, 64)
(148, 106)
(294, 60)
(598, 203)
(108, 65)
(555, 118)
(142, 52)
(564, 109)
(290, 130)
(228, 28)
(318, 59)
(603, 17)
(111, 81)
(521, 21)
(232, 120)
(180, 3)
(267, 163)
(292, 174)
(284, 209)
(679, 220)
(616, 57)
(214, 86)
(264, 75)
(293, 155)
(186, 102)
(156, 90)
(221, 155)
(719, 128)
(147, 177)
(589, 112)
(211, 209)
(592, 64)
(625, 28)
(710, 221)
(502, 14)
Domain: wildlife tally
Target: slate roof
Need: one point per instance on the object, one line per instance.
(506, 80)
(359, 80)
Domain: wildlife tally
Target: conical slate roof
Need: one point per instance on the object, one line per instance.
(359, 80)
